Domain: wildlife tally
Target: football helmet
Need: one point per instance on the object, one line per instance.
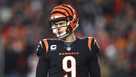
(64, 12)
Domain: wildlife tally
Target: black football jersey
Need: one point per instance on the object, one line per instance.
(60, 59)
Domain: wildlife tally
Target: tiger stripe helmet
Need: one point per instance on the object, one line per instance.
(65, 12)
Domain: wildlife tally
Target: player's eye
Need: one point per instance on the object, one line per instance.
(59, 24)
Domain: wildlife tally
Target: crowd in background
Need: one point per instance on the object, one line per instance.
(111, 22)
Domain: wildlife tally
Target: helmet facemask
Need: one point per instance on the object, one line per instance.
(60, 27)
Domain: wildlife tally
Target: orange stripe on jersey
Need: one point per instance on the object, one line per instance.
(90, 42)
(46, 44)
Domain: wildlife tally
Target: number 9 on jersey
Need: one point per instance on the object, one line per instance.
(71, 69)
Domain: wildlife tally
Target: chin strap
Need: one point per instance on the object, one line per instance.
(61, 35)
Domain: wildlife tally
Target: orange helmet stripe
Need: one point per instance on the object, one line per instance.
(70, 8)
(69, 13)
(58, 12)
(61, 11)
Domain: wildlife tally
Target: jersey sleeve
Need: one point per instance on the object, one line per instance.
(42, 67)
(40, 50)
(43, 63)
(95, 47)
(94, 66)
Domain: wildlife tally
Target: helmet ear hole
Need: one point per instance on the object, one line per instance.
(69, 29)
(70, 18)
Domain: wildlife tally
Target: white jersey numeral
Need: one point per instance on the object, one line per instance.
(71, 69)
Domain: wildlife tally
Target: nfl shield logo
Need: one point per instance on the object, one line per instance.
(68, 48)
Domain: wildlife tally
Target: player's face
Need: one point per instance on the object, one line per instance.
(59, 28)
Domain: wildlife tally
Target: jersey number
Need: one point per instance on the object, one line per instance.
(72, 68)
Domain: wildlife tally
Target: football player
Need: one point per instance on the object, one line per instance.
(68, 55)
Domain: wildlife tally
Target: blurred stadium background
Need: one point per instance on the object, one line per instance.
(24, 22)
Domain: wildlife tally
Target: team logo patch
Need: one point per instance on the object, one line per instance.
(68, 48)
(53, 47)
